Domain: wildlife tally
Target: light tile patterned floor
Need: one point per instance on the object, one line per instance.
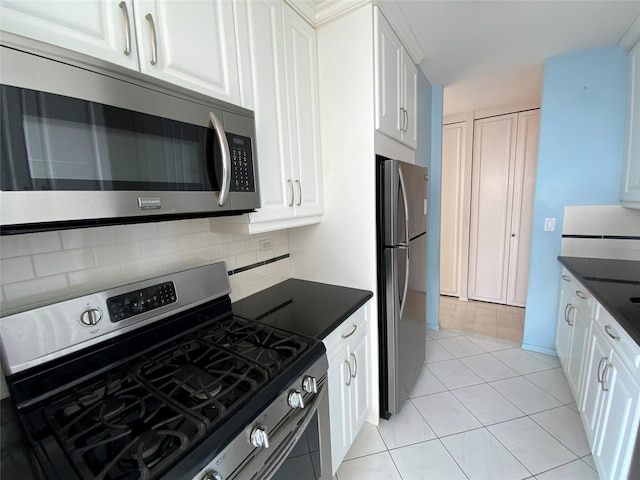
(490, 319)
(482, 409)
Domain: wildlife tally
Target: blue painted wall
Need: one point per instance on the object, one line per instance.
(579, 162)
(429, 154)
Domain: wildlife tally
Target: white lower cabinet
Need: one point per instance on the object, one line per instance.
(602, 365)
(349, 380)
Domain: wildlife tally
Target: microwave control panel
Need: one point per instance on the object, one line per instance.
(242, 175)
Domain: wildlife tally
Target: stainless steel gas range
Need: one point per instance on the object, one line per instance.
(159, 379)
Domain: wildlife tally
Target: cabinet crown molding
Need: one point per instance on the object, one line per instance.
(631, 36)
(319, 12)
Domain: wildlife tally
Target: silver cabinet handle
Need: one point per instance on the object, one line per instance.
(355, 362)
(402, 121)
(406, 123)
(607, 328)
(353, 330)
(567, 312)
(154, 39)
(225, 184)
(566, 278)
(604, 377)
(350, 376)
(292, 194)
(127, 28)
(300, 192)
(581, 294)
(602, 360)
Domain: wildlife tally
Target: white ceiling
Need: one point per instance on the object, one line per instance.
(487, 53)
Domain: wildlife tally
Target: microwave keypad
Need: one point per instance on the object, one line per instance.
(241, 164)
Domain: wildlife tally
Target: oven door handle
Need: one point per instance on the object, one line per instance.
(225, 183)
(285, 449)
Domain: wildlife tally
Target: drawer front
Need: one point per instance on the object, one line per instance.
(627, 349)
(347, 330)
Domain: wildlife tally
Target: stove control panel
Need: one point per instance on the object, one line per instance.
(140, 301)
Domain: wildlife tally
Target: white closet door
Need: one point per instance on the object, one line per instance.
(494, 146)
(453, 148)
(523, 197)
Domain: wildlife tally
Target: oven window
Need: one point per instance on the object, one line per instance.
(53, 142)
(303, 463)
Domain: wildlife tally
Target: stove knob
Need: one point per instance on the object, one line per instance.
(90, 317)
(295, 399)
(259, 437)
(211, 476)
(310, 385)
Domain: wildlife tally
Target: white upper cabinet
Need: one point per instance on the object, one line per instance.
(630, 184)
(101, 29)
(188, 43)
(282, 59)
(396, 85)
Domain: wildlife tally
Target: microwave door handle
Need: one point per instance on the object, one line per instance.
(225, 184)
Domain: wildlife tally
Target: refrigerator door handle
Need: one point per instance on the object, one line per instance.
(404, 245)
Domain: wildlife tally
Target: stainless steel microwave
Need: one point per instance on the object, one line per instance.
(81, 147)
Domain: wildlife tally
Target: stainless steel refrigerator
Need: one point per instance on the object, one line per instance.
(402, 278)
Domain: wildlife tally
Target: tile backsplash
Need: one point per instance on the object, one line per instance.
(604, 231)
(41, 268)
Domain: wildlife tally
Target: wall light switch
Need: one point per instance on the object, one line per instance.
(549, 224)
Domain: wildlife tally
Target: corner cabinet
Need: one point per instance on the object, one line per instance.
(396, 85)
(189, 44)
(349, 380)
(602, 365)
(281, 55)
(630, 184)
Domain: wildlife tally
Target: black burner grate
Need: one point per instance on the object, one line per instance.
(270, 348)
(117, 429)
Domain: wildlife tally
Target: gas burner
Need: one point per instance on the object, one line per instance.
(147, 445)
(197, 382)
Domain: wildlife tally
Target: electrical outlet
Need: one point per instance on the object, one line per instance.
(266, 244)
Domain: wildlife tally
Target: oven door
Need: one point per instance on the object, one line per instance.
(300, 448)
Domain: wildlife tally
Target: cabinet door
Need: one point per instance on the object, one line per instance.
(453, 159)
(301, 67)
(194, 43)
(92, 27)
(494, 146)
(266, 39)
(592, 392)
(410, 97)
(577, 352)
(524, 184)
(618, 425)
(339, 382)
(360, 388)
(563, 329)
(388, 55)
(630, 184)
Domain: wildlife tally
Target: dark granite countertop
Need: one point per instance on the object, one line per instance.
(300, 306)
(613, 283)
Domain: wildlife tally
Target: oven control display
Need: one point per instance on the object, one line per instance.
(129, 304)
